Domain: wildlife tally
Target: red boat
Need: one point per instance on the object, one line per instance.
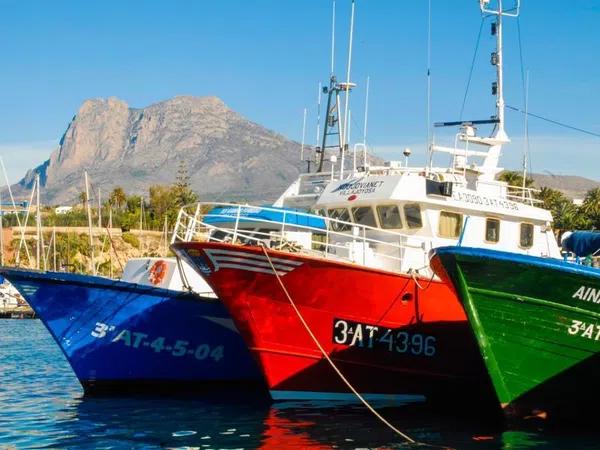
(392, 339)
(358, 287)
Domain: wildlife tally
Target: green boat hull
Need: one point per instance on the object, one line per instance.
(537, 323)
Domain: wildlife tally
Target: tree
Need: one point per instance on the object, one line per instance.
(161, 201)
(83, 199)
(117, 197)
(566, 215)
(181, 188)
(515, 179)
(591, 207)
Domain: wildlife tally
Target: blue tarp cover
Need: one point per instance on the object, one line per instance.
(228, 214)
(582, 243)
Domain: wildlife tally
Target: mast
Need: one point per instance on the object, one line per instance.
(499, 137)
(344, 143)
(89, 214)
(333, 126)
(467, 134)
(54, 247)
(99, 211)
(110, 238)
(38, 222)
(500, 74)
(166, 234)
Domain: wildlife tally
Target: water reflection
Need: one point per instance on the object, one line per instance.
(42, 406)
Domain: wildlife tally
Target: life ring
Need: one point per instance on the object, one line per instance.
(158, 271)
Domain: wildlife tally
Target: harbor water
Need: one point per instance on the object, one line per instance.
(42, 406)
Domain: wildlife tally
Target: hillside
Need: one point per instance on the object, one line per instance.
(570, 185)
(227, 156)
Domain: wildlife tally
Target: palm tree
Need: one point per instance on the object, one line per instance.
(591, 206)
(117, 197)
(83, 199)
(515, 179)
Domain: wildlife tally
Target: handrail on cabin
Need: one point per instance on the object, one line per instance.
(334, 240)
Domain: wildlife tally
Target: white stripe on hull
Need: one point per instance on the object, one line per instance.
(230, 259)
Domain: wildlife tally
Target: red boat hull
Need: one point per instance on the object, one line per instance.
(389, 337)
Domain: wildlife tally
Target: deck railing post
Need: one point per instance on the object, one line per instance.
(192, 227)
(364, 246)
(237, 222)
(177, 224)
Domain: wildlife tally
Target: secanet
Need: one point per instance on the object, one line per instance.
(588, 293)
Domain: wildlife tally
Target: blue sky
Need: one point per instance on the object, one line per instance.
(264, 58)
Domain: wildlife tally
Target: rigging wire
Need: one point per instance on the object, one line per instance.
(464, 102)
(555, 122)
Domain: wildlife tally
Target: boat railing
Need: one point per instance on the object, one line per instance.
(520, 194)
(296, 231)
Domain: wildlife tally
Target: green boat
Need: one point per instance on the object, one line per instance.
(537, 323)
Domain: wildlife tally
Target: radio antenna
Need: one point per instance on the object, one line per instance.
(303, 136)
(366, 112)
(332, 37)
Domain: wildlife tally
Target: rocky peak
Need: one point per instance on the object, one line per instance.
(227, 155)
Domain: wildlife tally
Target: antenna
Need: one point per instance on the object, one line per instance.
(526, 143)
(428, 123)
(303, 136)
(347, 86)
(343, 150)
(332, 124)
(319, 114)
(332, 37)
(366, 111)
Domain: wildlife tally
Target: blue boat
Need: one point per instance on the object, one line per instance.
(135, 335)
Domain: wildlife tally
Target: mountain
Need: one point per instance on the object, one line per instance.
(572, 186)
(227, 156)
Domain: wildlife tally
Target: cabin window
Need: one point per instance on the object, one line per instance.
(450, 224)
(364, 216)
(526, 240)
(389, 217)
(492, 230)
(412, 214)
(339, 214)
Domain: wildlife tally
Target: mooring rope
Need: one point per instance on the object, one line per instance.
(413, 273)
(331, 363)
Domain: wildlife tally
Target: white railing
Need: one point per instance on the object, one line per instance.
(518, 194)
(315, 235)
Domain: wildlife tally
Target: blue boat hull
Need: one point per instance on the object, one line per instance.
(123, 336)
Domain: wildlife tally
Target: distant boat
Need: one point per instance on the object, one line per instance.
(537, 323)
(145, 332)
(12, 304)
